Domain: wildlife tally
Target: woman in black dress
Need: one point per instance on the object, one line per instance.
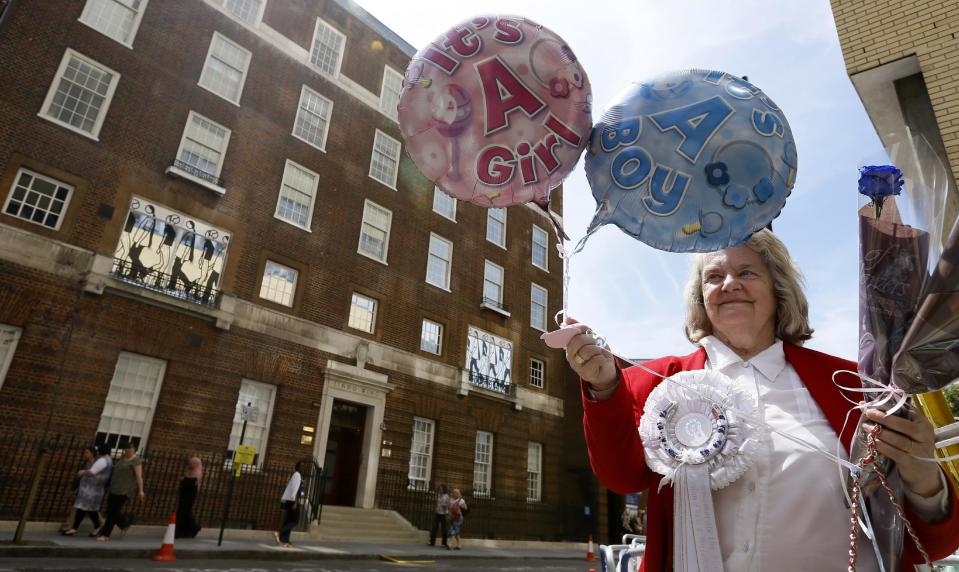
(186, 524)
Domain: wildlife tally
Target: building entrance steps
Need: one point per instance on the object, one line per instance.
(342, 523)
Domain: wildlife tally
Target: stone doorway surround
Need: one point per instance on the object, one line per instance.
(357, 385)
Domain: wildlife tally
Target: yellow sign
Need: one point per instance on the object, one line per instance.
(244, 455)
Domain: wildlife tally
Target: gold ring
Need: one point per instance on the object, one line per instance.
(578, 360)
(909, 450)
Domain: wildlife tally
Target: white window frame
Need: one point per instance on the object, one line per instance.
(339, 57)
(545, 248)
(490, 217)
(316, 184)
(439, 336)
(399, 155)
(367, 204)
(107, 99)
(329, 117)
(51, 180)
(219, 166)
(502, 285)
(85, 18)
(245, 71)
(296, 278)
(449, 263)
(148, 422)
(256, 21)
(483, 488)
(238, 422)
(534, 473)
(533, 287)
(9, 338)
(542, 373)
(385, 107)
(416, 480)
(437, 192)
(376, 307)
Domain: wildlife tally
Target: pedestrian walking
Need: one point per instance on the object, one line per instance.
(291, 507)
(67, 523)
(439, 515)
(458, 510)
(126, 483)
(186, 524)
(91, 483)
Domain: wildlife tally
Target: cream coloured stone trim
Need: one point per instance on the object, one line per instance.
(65, 260)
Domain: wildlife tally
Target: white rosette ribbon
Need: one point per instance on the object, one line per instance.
(695, 434)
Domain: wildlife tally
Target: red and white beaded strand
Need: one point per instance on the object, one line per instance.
(869, 458)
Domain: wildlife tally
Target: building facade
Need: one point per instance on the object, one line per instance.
(903, 60)
(208, 218)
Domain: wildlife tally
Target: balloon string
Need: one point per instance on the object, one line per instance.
(886, 393)
(566, 256)
(753, 420)
(869, 457)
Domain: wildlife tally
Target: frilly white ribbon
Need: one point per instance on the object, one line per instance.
(717, 456)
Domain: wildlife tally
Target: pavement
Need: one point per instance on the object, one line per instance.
(41, 540)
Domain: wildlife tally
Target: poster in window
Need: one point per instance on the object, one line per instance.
(488, 360)
(170, 252)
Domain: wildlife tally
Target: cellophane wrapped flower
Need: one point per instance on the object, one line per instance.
(878, 182)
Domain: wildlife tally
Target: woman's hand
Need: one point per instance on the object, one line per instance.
(902, 440)
(593, 364)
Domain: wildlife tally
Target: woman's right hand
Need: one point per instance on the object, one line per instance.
(593, 364)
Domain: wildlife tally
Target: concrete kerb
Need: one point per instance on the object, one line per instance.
(42, 541)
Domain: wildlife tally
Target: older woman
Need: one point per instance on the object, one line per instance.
(747, 313)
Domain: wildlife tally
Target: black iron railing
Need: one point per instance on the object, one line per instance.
(496, 515)
(198, 173)
(176, 285)
(256, 497)
(492, 384)
(495, 304)
(317, 485)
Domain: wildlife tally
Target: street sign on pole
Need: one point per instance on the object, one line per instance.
(245, 411)
(248, 412)
(245, 455)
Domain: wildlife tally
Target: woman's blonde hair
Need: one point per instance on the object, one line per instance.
(792, 309)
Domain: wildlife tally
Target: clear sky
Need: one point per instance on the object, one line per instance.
(630, 292)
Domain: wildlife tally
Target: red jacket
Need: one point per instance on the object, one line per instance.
(616, 451)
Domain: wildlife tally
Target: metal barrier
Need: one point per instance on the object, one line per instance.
(177, 286)
(256, 502)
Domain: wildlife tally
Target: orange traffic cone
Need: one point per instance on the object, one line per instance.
(590, 555)
(166, 549)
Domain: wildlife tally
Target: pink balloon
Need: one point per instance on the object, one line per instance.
(496, 111)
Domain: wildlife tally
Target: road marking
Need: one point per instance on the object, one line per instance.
(280, 548)
(397, 561)
(325, 550)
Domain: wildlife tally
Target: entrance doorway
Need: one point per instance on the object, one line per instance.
(344, 446)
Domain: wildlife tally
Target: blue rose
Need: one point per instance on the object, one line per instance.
(880, 181)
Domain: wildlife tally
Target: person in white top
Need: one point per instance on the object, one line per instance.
(291, 510)
(747, 312)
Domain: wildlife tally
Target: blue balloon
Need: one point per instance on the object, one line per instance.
(692, 161)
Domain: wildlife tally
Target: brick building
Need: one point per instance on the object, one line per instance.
(903, 59)
(206, 205)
